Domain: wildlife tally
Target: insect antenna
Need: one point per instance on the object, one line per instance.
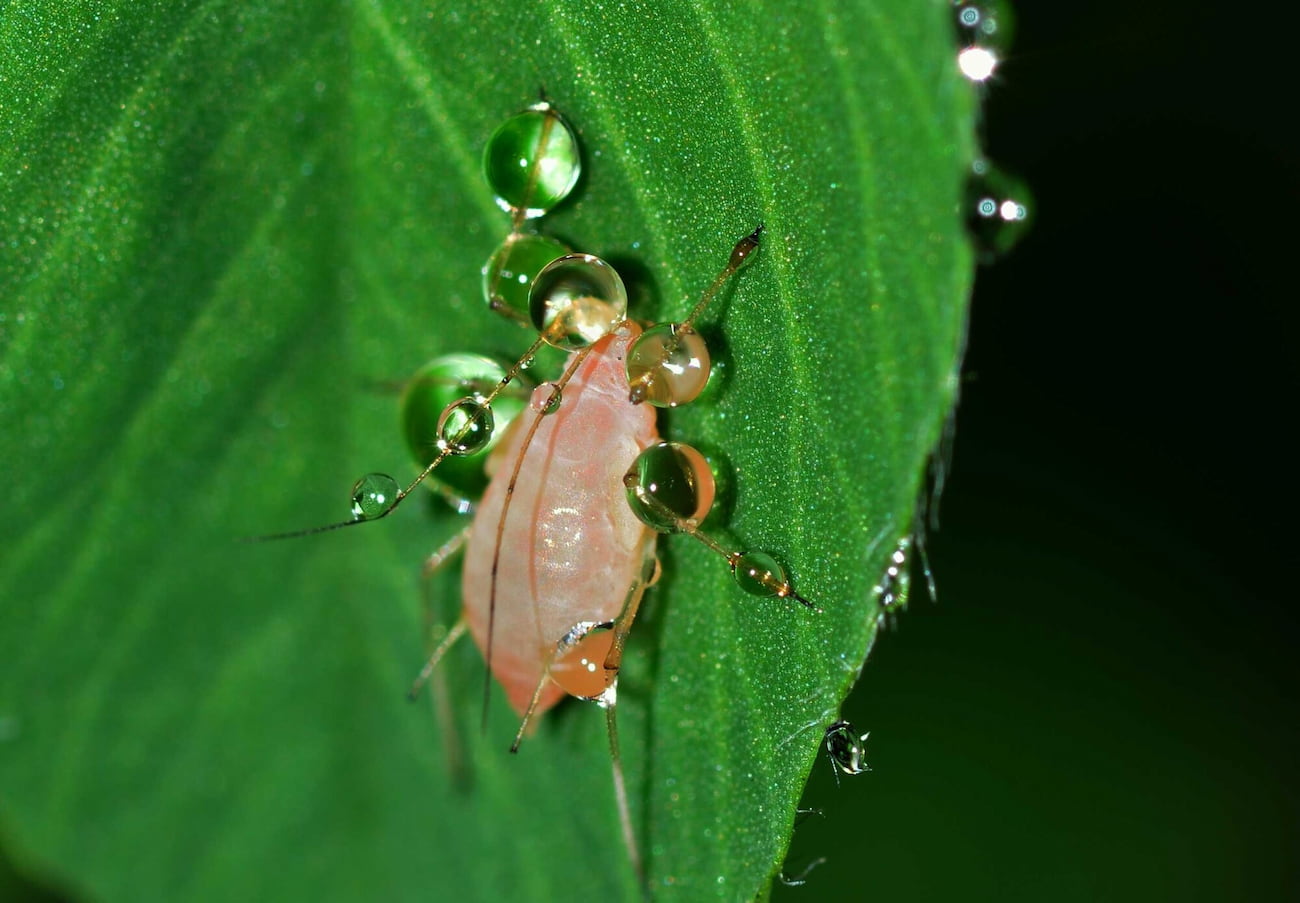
(465, 427)
(548, 126)
(547, 400)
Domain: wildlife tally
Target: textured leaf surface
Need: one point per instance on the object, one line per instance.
(224, 224)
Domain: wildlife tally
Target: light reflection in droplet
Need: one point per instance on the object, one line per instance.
(1012, 211)
(977, 63)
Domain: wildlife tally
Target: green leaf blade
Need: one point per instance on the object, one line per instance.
(232, 224)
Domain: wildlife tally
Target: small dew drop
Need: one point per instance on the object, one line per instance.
(891, 590)
(1012, 211)
(759, 574)
(373, 495)
(846, 748)
(465, 426)
(1000, 211)
(988, 24)
(546, 398)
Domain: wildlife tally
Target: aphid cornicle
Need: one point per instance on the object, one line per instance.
(561, 548)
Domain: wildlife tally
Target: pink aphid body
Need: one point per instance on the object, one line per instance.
(569, 547)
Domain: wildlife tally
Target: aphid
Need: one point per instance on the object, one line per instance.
(561, 548)
(847, 750)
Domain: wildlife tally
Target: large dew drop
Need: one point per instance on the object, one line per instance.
(532, 161)
(847, 748)
(508, 275)
(577, 300)
(667, 365)
(439, 384)
(670, 487)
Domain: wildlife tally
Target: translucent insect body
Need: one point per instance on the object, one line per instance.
(561, 548)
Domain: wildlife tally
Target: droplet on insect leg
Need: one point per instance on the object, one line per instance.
(435, 387)
(670, 487)
(580, 670)
(373, 495)
(577, 300)
(667, 365)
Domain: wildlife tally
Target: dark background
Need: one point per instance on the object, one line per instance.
(1100, 706)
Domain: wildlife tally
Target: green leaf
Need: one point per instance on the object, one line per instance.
(225, 223)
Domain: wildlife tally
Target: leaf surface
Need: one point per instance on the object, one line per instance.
(226, 224)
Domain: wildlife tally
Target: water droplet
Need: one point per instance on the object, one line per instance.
(532, 161)
(667, 365)
(977, 63)
(891, 590)
(846, 748)
(576, 300)
(984, 33)
(999, 210)
(744, 250)
(579, 665)
(373, 495)
(465, 426)
(989, 24)
(434, 388)
(510, 272)
(546, 398)
(670, 487)
(759, 574)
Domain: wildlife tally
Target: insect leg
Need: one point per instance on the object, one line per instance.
(439, 698)
(432, 565)
(620, 786)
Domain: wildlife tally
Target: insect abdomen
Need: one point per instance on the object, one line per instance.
(570, 547)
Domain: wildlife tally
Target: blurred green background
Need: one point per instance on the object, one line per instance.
(1101, 703)
(1101, 706)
